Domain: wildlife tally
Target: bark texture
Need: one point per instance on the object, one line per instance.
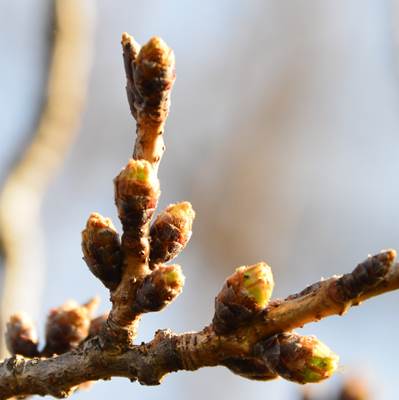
(148, 363)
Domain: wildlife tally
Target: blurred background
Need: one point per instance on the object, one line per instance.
(283, 134)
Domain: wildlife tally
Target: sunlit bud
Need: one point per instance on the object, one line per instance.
(159, 288)
(21, 336)
(244, 294)
(101, 250)
(154, 75)
(301, 359)
(136, 194)
(171, 231)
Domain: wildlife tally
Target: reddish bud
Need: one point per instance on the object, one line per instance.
(171, 231)
(101, 250)
(159, 288)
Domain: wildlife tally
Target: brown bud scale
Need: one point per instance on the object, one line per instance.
(102, 250)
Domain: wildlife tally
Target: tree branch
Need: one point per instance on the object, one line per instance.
(249, 334)
(148, 363)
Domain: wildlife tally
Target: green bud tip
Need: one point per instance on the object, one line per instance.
(254, 282)
(322, 362)
(140, 171)
(172, 275)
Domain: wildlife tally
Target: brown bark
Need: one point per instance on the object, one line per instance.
(168, 352)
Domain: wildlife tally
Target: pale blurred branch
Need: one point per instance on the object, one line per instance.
(21, 198)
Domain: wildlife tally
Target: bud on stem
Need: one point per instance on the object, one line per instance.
(244, 294)
(159, 288)
(136, 196)
(21, 336)
(301, 359)
(101, 250)
(67, 326)
(170, 232)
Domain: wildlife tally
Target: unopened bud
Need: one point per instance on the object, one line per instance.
(301, 359)
(67, 326)
(366, 275)
(21, 336)
(159, 288)
(250, 368)
(102, 251)
(171, 231)
(136, 194)
(244, 294)
(154, 75)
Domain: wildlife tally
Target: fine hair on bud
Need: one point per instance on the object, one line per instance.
(102, 250)
(159, 288)
(300, 359)
(21, 336)
(67, 326)
(170, 232)
(244, 295)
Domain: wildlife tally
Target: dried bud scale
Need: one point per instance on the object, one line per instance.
(171, 232)
(250, 368)
(67, 326)
(244, 294)
(301, 359)
(102, 250)
(21, 335)
(130, 50)
(159, 288)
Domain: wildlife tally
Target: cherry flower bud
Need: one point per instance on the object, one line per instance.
(301, 359)
(159, 288)
(102, 251)
(244, 294)
(170, 232)
(136, 196)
